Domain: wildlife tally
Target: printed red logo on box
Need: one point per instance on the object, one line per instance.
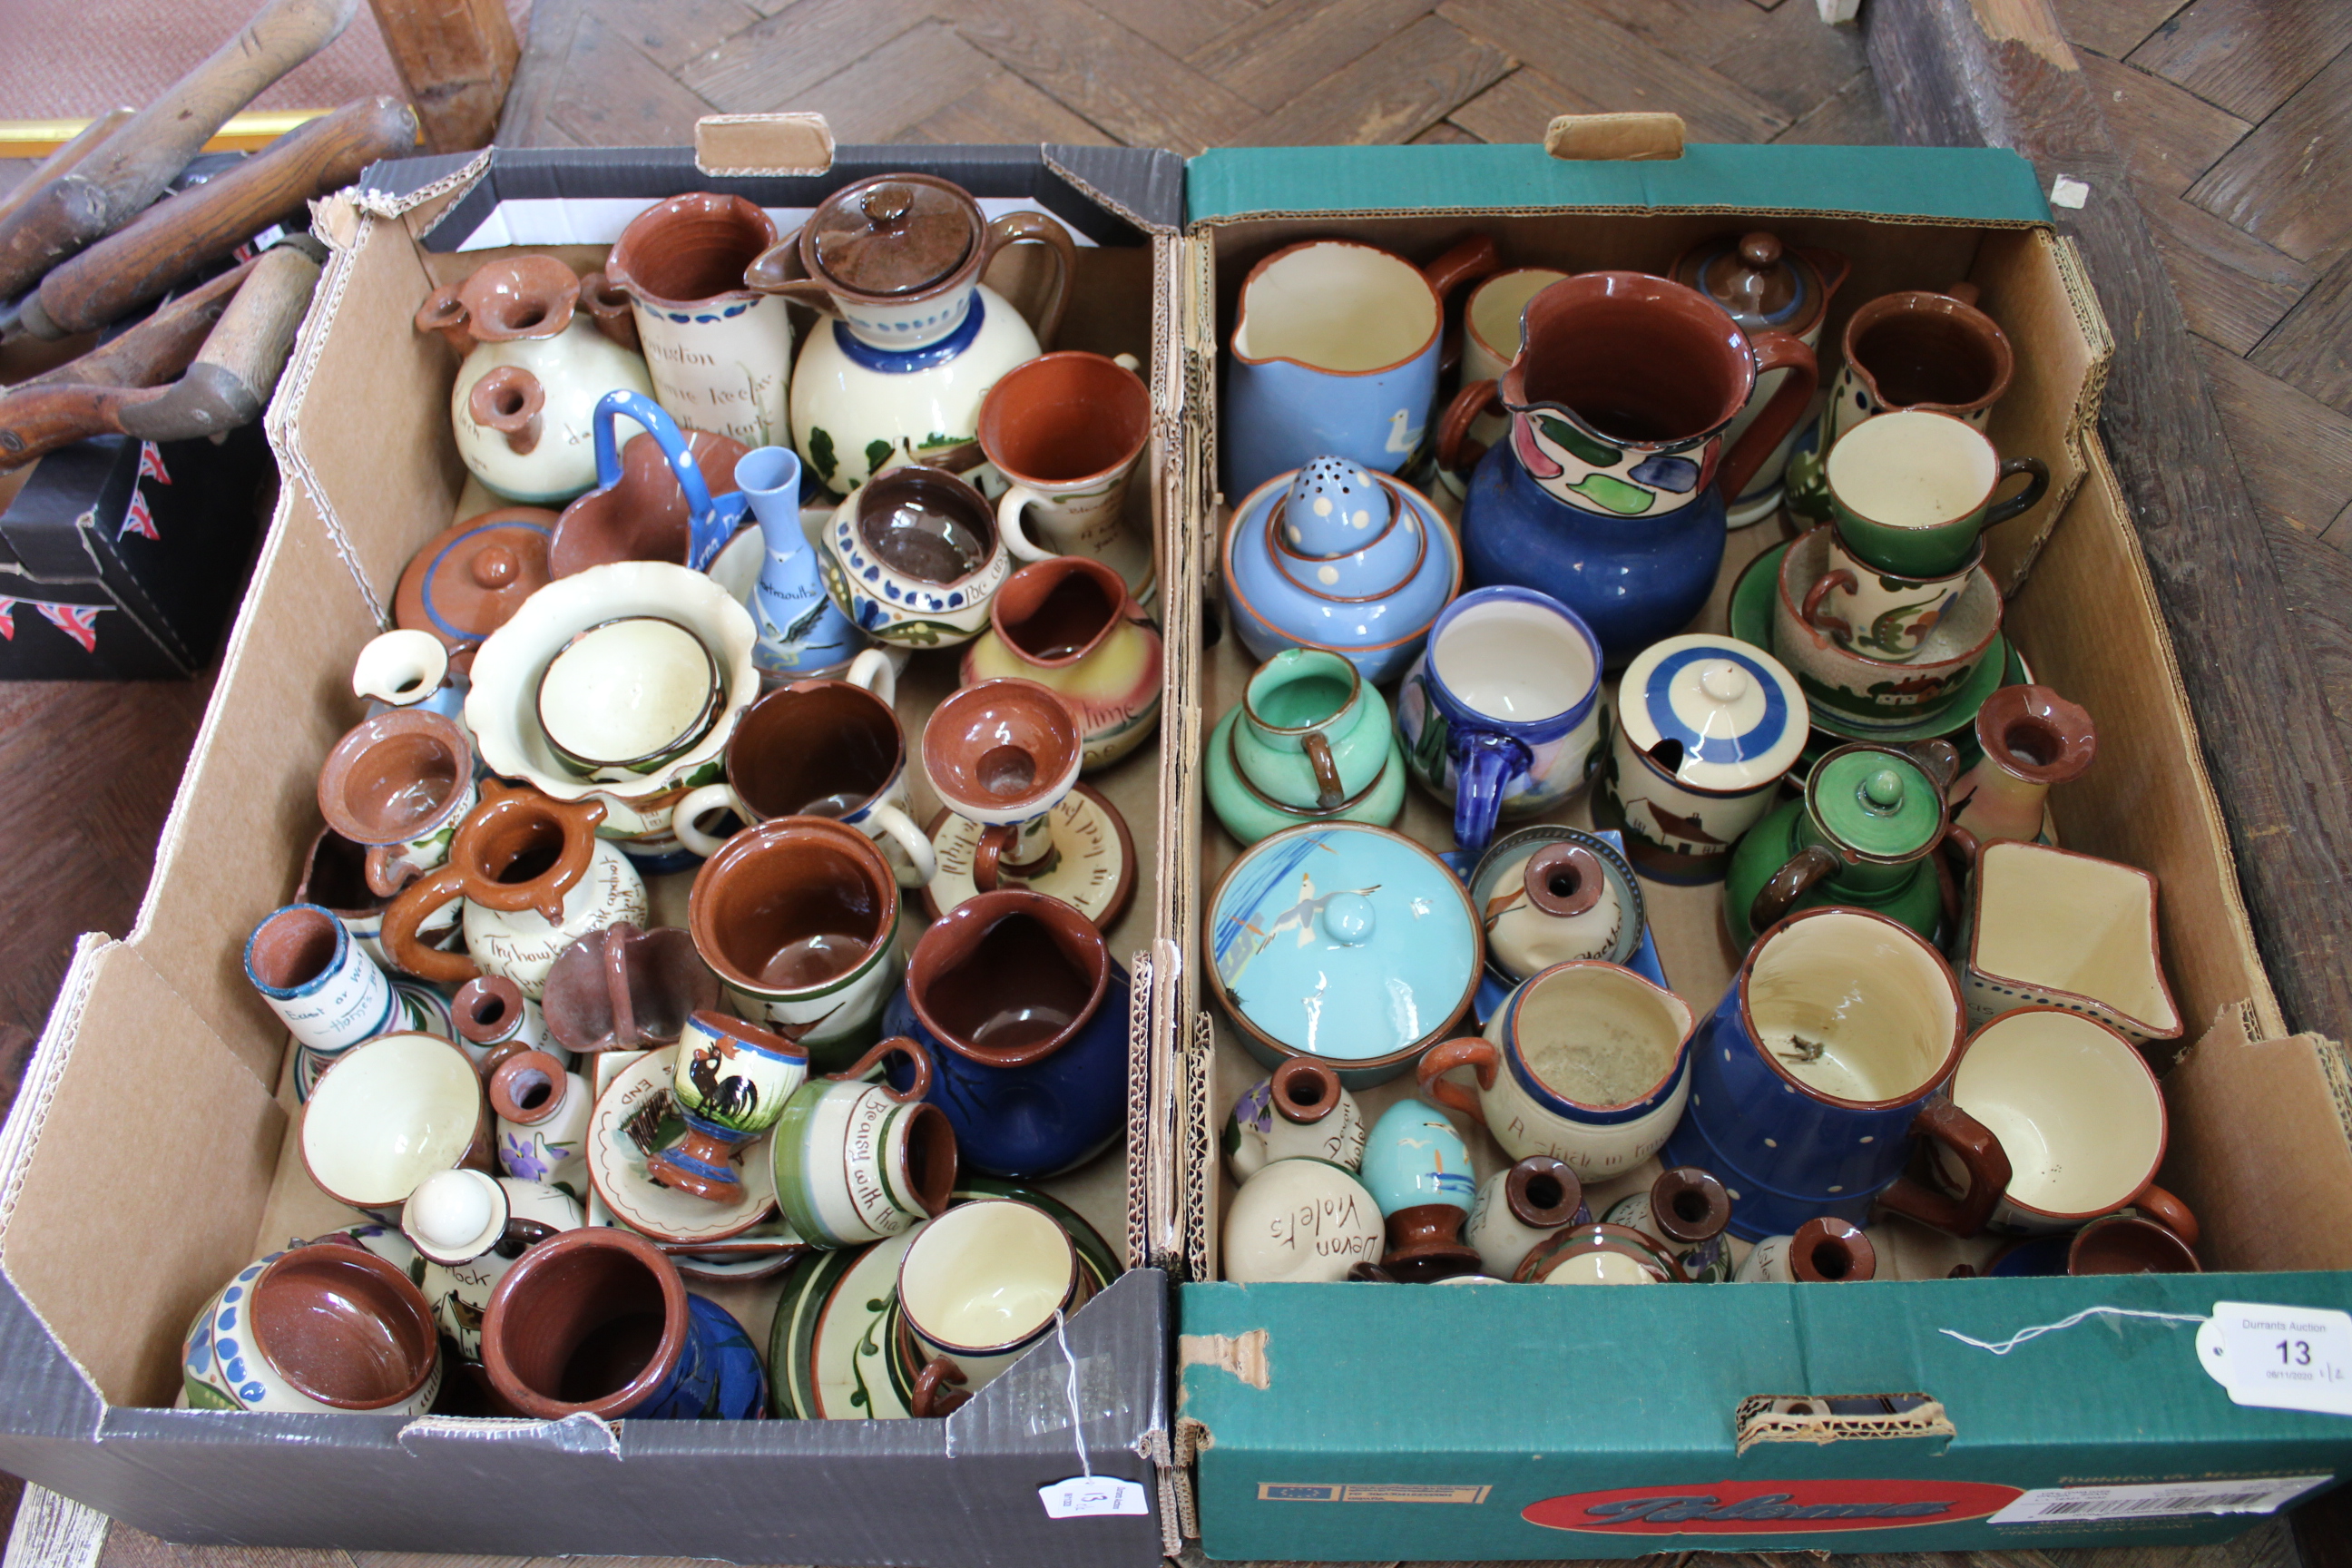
(1769, 1507)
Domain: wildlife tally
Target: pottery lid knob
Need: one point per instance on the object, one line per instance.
(494, 566)
(1882, 790)
(888, 204)
(1334, 508)
(1724, 682)
(454, 1215)
(1760, 248)
(896, 236)
(1349, 919)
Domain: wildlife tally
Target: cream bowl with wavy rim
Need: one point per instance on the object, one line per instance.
(389, 1113)
(503, 709)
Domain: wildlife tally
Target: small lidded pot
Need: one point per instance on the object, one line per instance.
(1861, 836)
(1518, 1209)
(1299, 1112)
(1345, 943)
(1308, 741)
(1707, 727)
(1551, 895)
(1418, 1170)
(1300, 1221)
(1685, 1211)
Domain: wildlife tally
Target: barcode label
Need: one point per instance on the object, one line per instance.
(2264, 1494)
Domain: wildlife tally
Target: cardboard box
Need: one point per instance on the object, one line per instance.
(1345, 1422)
(150, 1155)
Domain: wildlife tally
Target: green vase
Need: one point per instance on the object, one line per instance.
(1862, 835)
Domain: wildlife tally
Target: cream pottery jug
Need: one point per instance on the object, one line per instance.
(915, 339)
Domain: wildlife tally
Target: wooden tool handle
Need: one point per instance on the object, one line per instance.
(158, 348)
(132, 168)
(238, 368)
(85, 141)
(182, 232)
(43, 418)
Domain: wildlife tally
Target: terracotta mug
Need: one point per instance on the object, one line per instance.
(1004, 754)
(1066, 430)
(1920, 348)
(399, 783)
(857, 1161)
(819, 748)
(324, 1327)
(799, 917)
(981, 1286)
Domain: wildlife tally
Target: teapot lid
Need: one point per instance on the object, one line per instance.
(1878, 804)
(469, 581)
(1347, 942)
(1735, 717)
(899, 234)
(1762, 283)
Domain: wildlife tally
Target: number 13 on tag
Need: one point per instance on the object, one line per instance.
(2286, 1358)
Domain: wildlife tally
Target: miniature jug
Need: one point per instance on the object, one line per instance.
(720, 354)
(1308, 741)
(1068, 623)
(1300, 1112)
(533, 875)
(2032, 739)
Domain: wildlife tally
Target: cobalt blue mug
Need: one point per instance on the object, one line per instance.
(1025, 1014)
(1830, 1052)
(1501, 713)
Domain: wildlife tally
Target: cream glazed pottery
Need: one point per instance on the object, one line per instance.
(914, 340)
(469, 1227)
(315, 1330)
(503, 709)
(534, 367)
(979, 1288)
(1822, 1251)
(2044, 927)
(2032, 739)
(1549, 895)
(1707, 727)
(1300, 1221)
(1518, 1209)
(1069, 624)
(387, 1115)
(1585, 1061)
(1299, 1112)
(915, 558)
(855, 1162)
(1685, 1211)
(720, 354)
(533, 877)
(543, 1121)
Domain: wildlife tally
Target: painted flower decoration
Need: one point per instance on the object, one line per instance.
(522, 1159)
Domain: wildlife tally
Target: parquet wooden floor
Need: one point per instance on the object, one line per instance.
(2239, 113)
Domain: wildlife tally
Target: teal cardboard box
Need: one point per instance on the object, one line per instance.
(1914, 1412)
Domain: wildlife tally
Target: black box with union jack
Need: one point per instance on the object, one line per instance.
(122, 560)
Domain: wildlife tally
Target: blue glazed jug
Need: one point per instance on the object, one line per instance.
(1025, 1014)
(1611, 498)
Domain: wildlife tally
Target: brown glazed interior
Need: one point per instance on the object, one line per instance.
(793, 903)
(927, 524)
(1542, 1193)
(2126, 1243)
(619, 988)
(1008, 977)
(344, 1326)
(1829, 1250)
(2036, 734)
(485, 1010)
(690, 249)
(931, 1158)
(1055, 612)
(1923, 350)
(294, 947)
(1688, 1204)
(1637, 358)
(519, 296)
(334, 875)
(1303, 1091)
(815, 748)
(393, 775)
(529, 1087)
(1064, 418)
(1001, 745)
(1564, 879)
(520, 849)
(588, 1319)
(645, 516)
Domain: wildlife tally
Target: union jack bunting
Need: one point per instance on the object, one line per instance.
(137, 518)
(151, 465)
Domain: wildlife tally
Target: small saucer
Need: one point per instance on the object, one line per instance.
(633, 1117)
(1751, 623)
(1094, 868)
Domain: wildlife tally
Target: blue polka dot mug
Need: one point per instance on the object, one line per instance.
(1831, 1053)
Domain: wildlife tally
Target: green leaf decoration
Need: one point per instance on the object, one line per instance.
(1585, 449)
(821, 454)
(1613, 495)
(877, 452)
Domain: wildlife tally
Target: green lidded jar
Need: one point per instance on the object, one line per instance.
(1862, 835)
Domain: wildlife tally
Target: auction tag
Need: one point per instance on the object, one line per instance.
(2285, 1358)
(1087, 1497)
(2264, 1494)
